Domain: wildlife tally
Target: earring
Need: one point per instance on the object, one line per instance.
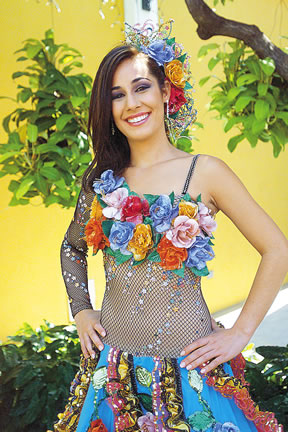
(112, 128)
(169, 124)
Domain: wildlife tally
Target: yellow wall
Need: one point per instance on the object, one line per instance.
(31, 284)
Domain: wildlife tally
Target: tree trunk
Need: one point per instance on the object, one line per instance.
(210, 24)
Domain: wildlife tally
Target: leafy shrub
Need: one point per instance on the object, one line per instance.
(251, 95)
(269, 381)
(36, 372)
(47, 148)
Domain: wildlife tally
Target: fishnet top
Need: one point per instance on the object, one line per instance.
(146, 310)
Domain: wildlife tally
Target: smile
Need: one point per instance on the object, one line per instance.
(139, 119)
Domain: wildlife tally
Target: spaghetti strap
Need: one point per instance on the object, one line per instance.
(190, 173)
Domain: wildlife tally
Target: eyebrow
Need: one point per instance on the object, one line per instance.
(132, 82)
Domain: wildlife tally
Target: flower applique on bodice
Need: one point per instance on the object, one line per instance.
(155, 251)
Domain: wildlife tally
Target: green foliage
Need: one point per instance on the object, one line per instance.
(223, 2)
(251, 96)
(269, 381)
(47, 148)
(36, 372)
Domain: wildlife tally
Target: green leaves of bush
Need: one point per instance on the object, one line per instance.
(47, 148)
(36, 372)
(250, 96)
(269, 381)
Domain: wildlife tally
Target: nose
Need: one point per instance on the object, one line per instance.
(132, 101)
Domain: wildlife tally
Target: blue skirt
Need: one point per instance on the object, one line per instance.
(121, 392)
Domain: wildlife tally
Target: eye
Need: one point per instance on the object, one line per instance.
(142, 88)
(117, 95)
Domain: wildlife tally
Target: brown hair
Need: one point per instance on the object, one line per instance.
(110, 151)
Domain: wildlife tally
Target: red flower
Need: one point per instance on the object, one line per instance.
(171, 256)
(177, 99)
(97, 426)
(95, 236)
(134, 209)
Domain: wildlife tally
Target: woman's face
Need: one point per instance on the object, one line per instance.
(137, 100)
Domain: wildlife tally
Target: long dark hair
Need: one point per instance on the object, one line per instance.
(110, 151)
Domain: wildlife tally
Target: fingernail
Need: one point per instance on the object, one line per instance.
(182, 353)
(189, 367)
(101, 347)
(182, 364)
(203, 371)
(93, 355)
(103, 333)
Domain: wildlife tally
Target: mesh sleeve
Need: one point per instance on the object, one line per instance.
(74, 256)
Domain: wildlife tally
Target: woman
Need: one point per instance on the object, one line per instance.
(154, 359)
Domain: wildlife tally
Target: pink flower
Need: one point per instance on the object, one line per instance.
(184, 232)
(146, 423)
(205, 220)
(114, 200)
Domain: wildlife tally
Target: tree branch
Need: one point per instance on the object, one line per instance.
(210, 24)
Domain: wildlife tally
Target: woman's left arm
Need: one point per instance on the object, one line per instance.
(232, 198)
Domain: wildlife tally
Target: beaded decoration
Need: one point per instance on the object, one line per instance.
(169, 55)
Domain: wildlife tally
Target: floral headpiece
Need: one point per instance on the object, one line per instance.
(159, 45)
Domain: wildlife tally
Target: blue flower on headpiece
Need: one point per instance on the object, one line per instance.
(107, 183)
(159, 51)
(199, 253)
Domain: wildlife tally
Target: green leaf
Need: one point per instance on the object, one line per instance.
(199, 199)
(203, 81)
(202, 272)
(204, 50)
(136, 263)
(267, 65)
(32, 132)
(172, 197)
(182, 58)
(276, 146)
(179, 272)
(188, 86)
(121, 258)
(8, 155)
(253, 139)
(151, 198)
(24, 187)
(242, 102)
(50, 173)
(246, 79)
(232, 122)
(258, 126)
(146, 401)
(261, 109)
(143, 376)
(106, 226)
(283, 115)
(33, 50)
(154, 256)
(76, 101)
(213, 62)
(262, 89)
(234, 141)
(62, 121)
(170, 41)
(45, 148)
(41, 183)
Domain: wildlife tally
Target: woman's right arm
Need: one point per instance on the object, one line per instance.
(74, 270)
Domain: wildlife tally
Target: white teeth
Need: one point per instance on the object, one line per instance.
(137, 119)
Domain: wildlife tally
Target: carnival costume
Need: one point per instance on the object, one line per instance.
(155, 251)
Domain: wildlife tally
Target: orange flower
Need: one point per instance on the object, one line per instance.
(97, 426)
(189, 209)
(141, 241)
(174, 71)
(96, 209)
(171, 256)
(95, 236)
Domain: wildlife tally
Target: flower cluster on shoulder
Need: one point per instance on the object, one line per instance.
(130, 227)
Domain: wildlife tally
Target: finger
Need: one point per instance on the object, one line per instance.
(212, 365)
(195, 355)
(95, 339)
(88, 345)
(196, 344)
(203, 359)
(83, 348)
(98, 327)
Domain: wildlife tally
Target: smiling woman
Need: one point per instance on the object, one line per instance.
(154, 359)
